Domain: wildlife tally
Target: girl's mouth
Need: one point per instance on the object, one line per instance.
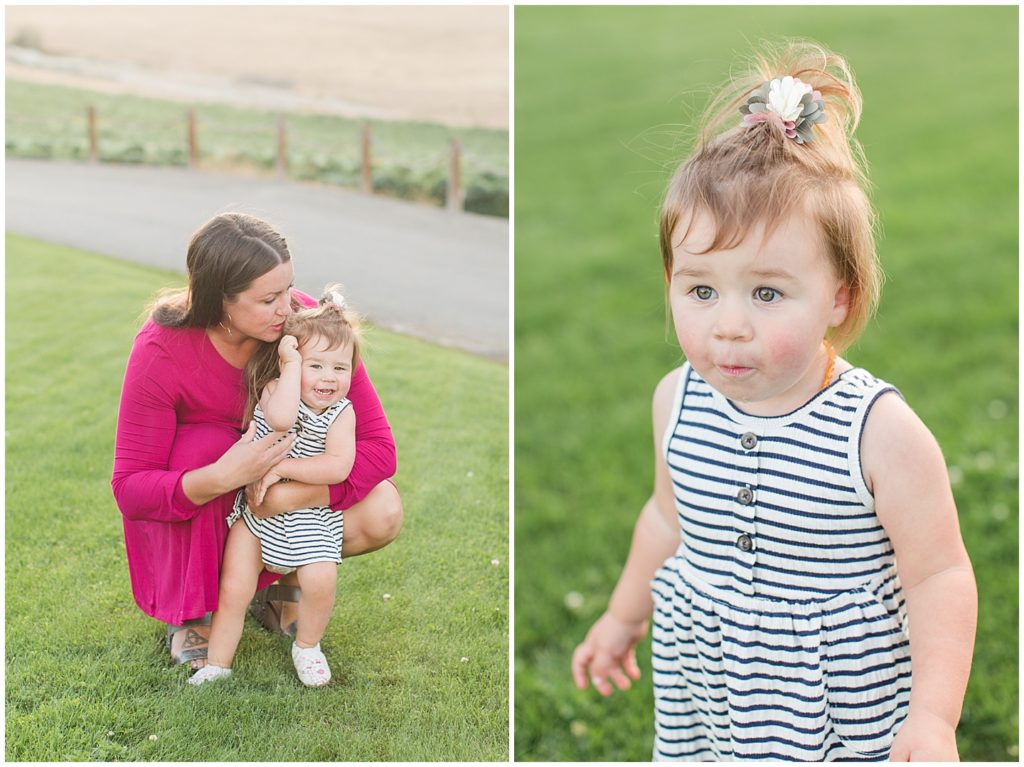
(734, 371)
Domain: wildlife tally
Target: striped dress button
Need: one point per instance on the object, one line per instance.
(749, 440)
(744, 543)
(745, 496)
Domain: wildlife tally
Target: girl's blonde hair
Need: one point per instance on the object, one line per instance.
(741, 176)
(337, 325)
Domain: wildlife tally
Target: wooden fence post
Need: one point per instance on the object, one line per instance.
(281, 165)
(367, 169)
(454, 178)
(193, 143)
(93, 144)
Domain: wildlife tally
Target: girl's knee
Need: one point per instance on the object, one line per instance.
(318, 579)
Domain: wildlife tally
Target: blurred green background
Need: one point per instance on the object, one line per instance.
(603, 96)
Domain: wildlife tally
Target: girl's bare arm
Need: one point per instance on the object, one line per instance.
(335, 463)
(905, 469)
(607, 654)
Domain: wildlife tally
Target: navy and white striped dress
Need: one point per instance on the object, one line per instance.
(305, 536)
(780, 627)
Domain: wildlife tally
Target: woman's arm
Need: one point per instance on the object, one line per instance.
(144, 486)
(607, 653)
(907, 474)
(375, 458)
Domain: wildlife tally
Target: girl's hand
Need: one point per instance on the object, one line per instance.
(264, 484)
(250, 459)
(288, 350)
(924, 737)
(608, 652)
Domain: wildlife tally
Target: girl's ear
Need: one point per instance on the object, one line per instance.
(840, 306)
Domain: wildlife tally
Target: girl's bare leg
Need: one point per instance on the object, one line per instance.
(317, 582)
(243, 560)
(371, 524)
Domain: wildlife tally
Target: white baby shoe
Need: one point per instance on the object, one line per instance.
(209, 673)
(311, 665)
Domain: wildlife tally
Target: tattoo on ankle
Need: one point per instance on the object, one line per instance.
(194, 639)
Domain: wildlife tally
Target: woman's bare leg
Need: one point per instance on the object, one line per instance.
(371, 524)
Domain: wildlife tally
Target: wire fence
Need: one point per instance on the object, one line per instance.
(340, 152)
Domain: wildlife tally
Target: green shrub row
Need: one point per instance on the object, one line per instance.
(410, 160)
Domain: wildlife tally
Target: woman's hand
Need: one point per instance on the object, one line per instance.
(248, 460)
(608, 652)
(924, 737)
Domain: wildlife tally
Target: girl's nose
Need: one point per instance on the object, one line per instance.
(732, 323)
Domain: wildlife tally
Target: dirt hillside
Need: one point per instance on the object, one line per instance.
(440, 64)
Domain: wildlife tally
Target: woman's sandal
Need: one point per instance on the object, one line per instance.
(264, 609)
(194, 646)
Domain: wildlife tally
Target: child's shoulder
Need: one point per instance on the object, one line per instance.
(664, 397)
(895, 441)
(667, 387)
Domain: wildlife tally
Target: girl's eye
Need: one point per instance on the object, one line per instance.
(703, 292)
(767, 295)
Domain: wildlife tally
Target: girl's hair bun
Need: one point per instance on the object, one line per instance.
(746, 171)
(825, 72)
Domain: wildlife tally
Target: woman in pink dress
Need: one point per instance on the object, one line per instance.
(180, 454)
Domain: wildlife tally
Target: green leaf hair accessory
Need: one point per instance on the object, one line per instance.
(788, 102)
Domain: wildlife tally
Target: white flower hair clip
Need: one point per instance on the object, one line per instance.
(788, 102)
(336, 298)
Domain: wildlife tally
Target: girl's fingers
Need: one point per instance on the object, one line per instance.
(620, 679)
(630, 664)
(601, 667)
(581, 657)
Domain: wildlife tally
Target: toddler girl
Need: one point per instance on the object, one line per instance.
(300, 385)
(801, 541)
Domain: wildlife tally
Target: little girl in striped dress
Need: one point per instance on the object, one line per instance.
(801, 549)
(301, 386)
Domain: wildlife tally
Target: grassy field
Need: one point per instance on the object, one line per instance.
(420, 676)
(602, 98)
(410, 160)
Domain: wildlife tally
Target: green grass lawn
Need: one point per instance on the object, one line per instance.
(410, 159)
(602, 98)
(420, 676)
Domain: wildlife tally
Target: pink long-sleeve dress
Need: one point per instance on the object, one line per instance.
(181, 409)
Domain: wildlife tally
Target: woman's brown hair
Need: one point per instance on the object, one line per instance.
(337, 325)
(741, 176)
(224, 256)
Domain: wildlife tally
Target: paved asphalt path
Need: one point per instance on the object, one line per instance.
(411, 268)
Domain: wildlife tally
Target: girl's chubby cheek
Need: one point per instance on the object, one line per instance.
(691, 339)
(787, 351)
